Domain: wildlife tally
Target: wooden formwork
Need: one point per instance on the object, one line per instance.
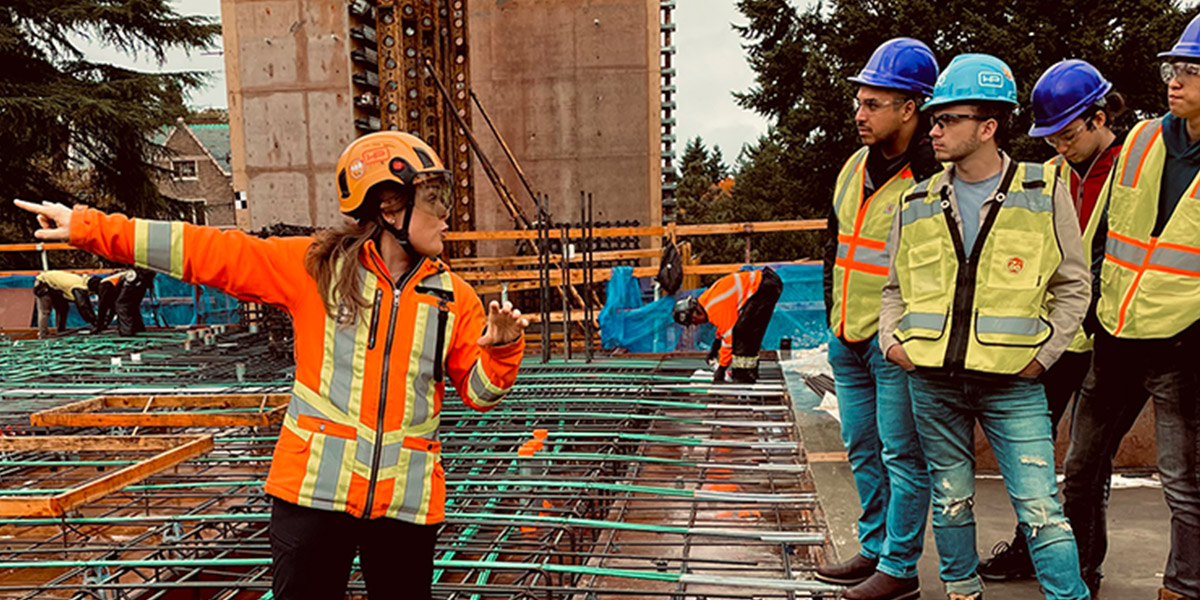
(236, 410)
(169, 450)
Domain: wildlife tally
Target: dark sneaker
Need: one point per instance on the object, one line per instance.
(1009, 562)
(881, 586)
(743, 375)
(851, 572)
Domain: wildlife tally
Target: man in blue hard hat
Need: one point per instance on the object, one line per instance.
(1073, 107)
(875, 409)
(987, 286)
(1149, 312)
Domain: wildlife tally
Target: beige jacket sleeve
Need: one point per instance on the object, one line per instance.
(891, 306)
(1070, 287)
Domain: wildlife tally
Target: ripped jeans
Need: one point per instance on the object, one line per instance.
(1016, 420)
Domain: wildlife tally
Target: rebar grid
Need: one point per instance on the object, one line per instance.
(649, 484)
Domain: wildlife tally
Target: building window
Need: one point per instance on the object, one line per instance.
(195, 210)
(184, 169)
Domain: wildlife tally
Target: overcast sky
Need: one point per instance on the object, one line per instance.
(710, 63)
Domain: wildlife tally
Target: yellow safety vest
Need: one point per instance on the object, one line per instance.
(1149, 286)
(986, 312)
(1082, 342)
(861, 268)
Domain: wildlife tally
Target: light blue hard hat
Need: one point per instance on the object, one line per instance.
(974, 78)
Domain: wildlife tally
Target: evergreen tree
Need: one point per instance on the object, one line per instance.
(59, 110)
(801, 60)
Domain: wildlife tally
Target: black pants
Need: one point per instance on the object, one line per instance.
(106, 304)
(312, 551)
(755, 314)
(129, 308)
(1123, 374)
(1062, 382)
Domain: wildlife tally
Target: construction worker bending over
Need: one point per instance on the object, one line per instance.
(121, 294)
(876, 413)
(987, 286)
(1073, 106)
(106, 289)
(55, 290)
(380, 325)
(1149, 337)
(739, 305)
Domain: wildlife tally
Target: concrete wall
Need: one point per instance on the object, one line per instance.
(573, 86)
(290, 113)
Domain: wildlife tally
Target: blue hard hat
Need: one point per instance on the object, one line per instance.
(974, 78)
(1064, 92)
(900, 63)
(1188, 45)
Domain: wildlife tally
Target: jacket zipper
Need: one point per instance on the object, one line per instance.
(397, 290)
(443, 313)
(374, 319)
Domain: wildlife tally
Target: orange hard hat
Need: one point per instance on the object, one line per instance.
(379, 157)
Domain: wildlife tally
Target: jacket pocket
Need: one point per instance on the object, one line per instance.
(374, 318)
(1016, 260)
(422, 444)
(926, 271)
(326, 427)
(439, 346)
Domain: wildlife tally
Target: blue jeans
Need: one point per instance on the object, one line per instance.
(1016, 420)
(885, 455)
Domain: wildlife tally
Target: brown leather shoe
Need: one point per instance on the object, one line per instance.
(881, 586)
(855, 570)
(1165, 594)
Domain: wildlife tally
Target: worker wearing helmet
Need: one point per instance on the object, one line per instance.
(1148, 337)
(873, 403)
(986, 288)
(739, 305)
(380, 325)
(1073, 109)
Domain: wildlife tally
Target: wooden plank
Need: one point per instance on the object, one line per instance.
(130, 475)
(86, 443)
(655, 231)
(34, 247)
(461, 265)
(530, 234)
(90, 413)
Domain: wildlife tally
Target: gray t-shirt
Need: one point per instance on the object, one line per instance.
(971, 196)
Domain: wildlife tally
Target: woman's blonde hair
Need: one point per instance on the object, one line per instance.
(333, 258)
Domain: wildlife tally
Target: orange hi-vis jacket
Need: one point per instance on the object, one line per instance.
(360, 435)
(723, 300)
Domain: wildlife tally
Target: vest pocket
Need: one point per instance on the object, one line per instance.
(326, 427)
(1014, 261)
(1013, 330)
(926, 271)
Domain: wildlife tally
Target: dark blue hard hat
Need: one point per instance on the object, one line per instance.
(1063, 93)
(902, 64)
(1188, 45)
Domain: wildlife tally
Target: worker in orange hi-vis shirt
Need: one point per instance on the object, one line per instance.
(739, 305)
(380, 324)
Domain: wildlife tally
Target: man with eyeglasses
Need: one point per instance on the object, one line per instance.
(1073, 105)
(875, 409)
(987, 287)
(1149, 337)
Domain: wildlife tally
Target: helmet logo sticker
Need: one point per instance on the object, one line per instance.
(1015, 265)
(356, 169)
(991, 80)
(376, 155)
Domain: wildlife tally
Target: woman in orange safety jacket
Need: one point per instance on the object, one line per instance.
(380, 324)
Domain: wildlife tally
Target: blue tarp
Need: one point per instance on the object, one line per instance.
(626, 323)
(174, 302)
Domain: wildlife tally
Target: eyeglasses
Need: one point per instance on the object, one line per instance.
(945, 120)
(1178, 70)
(1065, 139)
(873, 105)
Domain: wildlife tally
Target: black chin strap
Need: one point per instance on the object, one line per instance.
(401, 234)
